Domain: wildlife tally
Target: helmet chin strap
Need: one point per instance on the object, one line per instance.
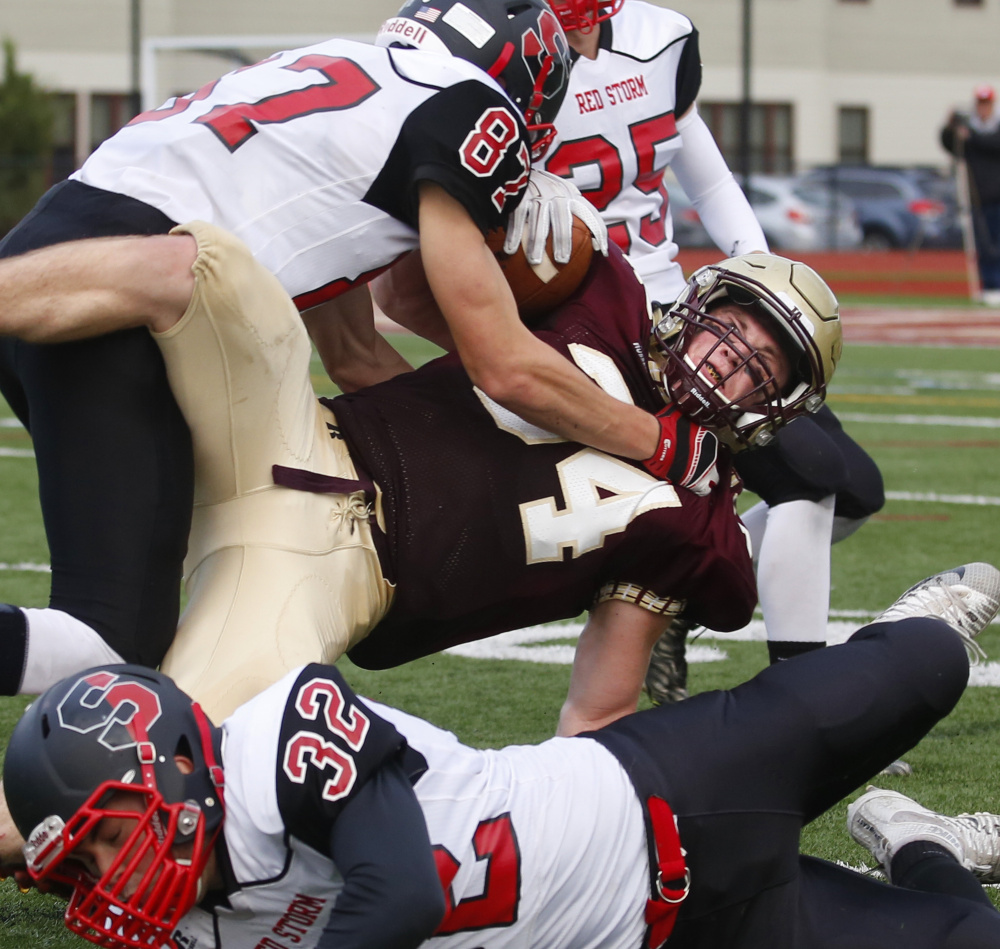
(215, 771)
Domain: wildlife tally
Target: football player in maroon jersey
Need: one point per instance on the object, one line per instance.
(398, 501)
(419, 513)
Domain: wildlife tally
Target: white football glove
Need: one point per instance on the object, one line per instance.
(549, 203)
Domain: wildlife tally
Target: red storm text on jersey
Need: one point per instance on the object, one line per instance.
(618, 132)
(312, 157)
(492, 524)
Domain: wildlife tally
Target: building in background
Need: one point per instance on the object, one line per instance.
(832, 80)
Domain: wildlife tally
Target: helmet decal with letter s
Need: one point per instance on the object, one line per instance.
(518, 42)
(792, 303)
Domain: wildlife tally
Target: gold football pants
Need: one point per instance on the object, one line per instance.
(276, 577)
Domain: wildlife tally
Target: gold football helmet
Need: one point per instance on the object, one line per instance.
(792, 302)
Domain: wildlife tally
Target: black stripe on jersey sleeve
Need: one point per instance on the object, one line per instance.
(329, 746)
(429, 148)
(688, 74)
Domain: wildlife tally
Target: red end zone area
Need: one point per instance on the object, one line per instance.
(938, 275)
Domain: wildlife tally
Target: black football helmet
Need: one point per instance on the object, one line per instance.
(584, 15)
(789, 299)
(518, 42)
(98, 738)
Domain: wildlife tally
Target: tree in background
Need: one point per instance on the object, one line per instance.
(26, 118)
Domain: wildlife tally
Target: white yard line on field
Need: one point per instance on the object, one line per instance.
(980, 499)
(547, 644)
(959, 421)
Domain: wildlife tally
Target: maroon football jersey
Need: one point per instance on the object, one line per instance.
(493, 524)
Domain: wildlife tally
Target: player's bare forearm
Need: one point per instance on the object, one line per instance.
(353, 352)
(502, 357)
(86, 288)
(403, 294)
(610, 665)
(538, 384)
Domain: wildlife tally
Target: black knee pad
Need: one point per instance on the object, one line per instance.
(802, 464)
(812, 458)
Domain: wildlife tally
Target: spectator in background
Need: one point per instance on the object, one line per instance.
(975, 139)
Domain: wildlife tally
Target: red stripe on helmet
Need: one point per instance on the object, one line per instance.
(501, 61)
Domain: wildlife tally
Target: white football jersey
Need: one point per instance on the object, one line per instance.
(618, 133)
(312, 157)
(527, 838)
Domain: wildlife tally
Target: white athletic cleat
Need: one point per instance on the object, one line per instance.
(885, 821)
(965, 597)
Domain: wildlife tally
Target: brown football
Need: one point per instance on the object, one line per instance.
(539, 288)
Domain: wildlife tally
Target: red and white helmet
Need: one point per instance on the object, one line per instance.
(518, 42)
(584, 15)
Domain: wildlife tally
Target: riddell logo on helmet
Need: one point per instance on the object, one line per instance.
(407, 29)
(43, 835)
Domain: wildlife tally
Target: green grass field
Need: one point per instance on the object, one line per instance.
(944, 509)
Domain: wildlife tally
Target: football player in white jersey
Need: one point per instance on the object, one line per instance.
(330, 163)
(315, 818)
(630, 112)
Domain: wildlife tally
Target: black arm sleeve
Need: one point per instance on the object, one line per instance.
(392, 896)
(688, 74)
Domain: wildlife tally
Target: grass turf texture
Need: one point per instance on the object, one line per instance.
(489, 703)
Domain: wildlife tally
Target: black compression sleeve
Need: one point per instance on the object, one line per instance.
(392, 897)
(688, 74)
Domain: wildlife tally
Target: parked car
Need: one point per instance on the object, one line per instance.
(801, 216)
(942, 187)
(897, 207)
(794, 215)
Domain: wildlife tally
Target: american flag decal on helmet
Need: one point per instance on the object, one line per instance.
(427, 14)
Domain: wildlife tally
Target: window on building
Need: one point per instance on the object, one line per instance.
(108, 113)
(852, 135)
(63, 135)
(770, 134)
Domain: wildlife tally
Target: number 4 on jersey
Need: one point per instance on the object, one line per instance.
(602, 494)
